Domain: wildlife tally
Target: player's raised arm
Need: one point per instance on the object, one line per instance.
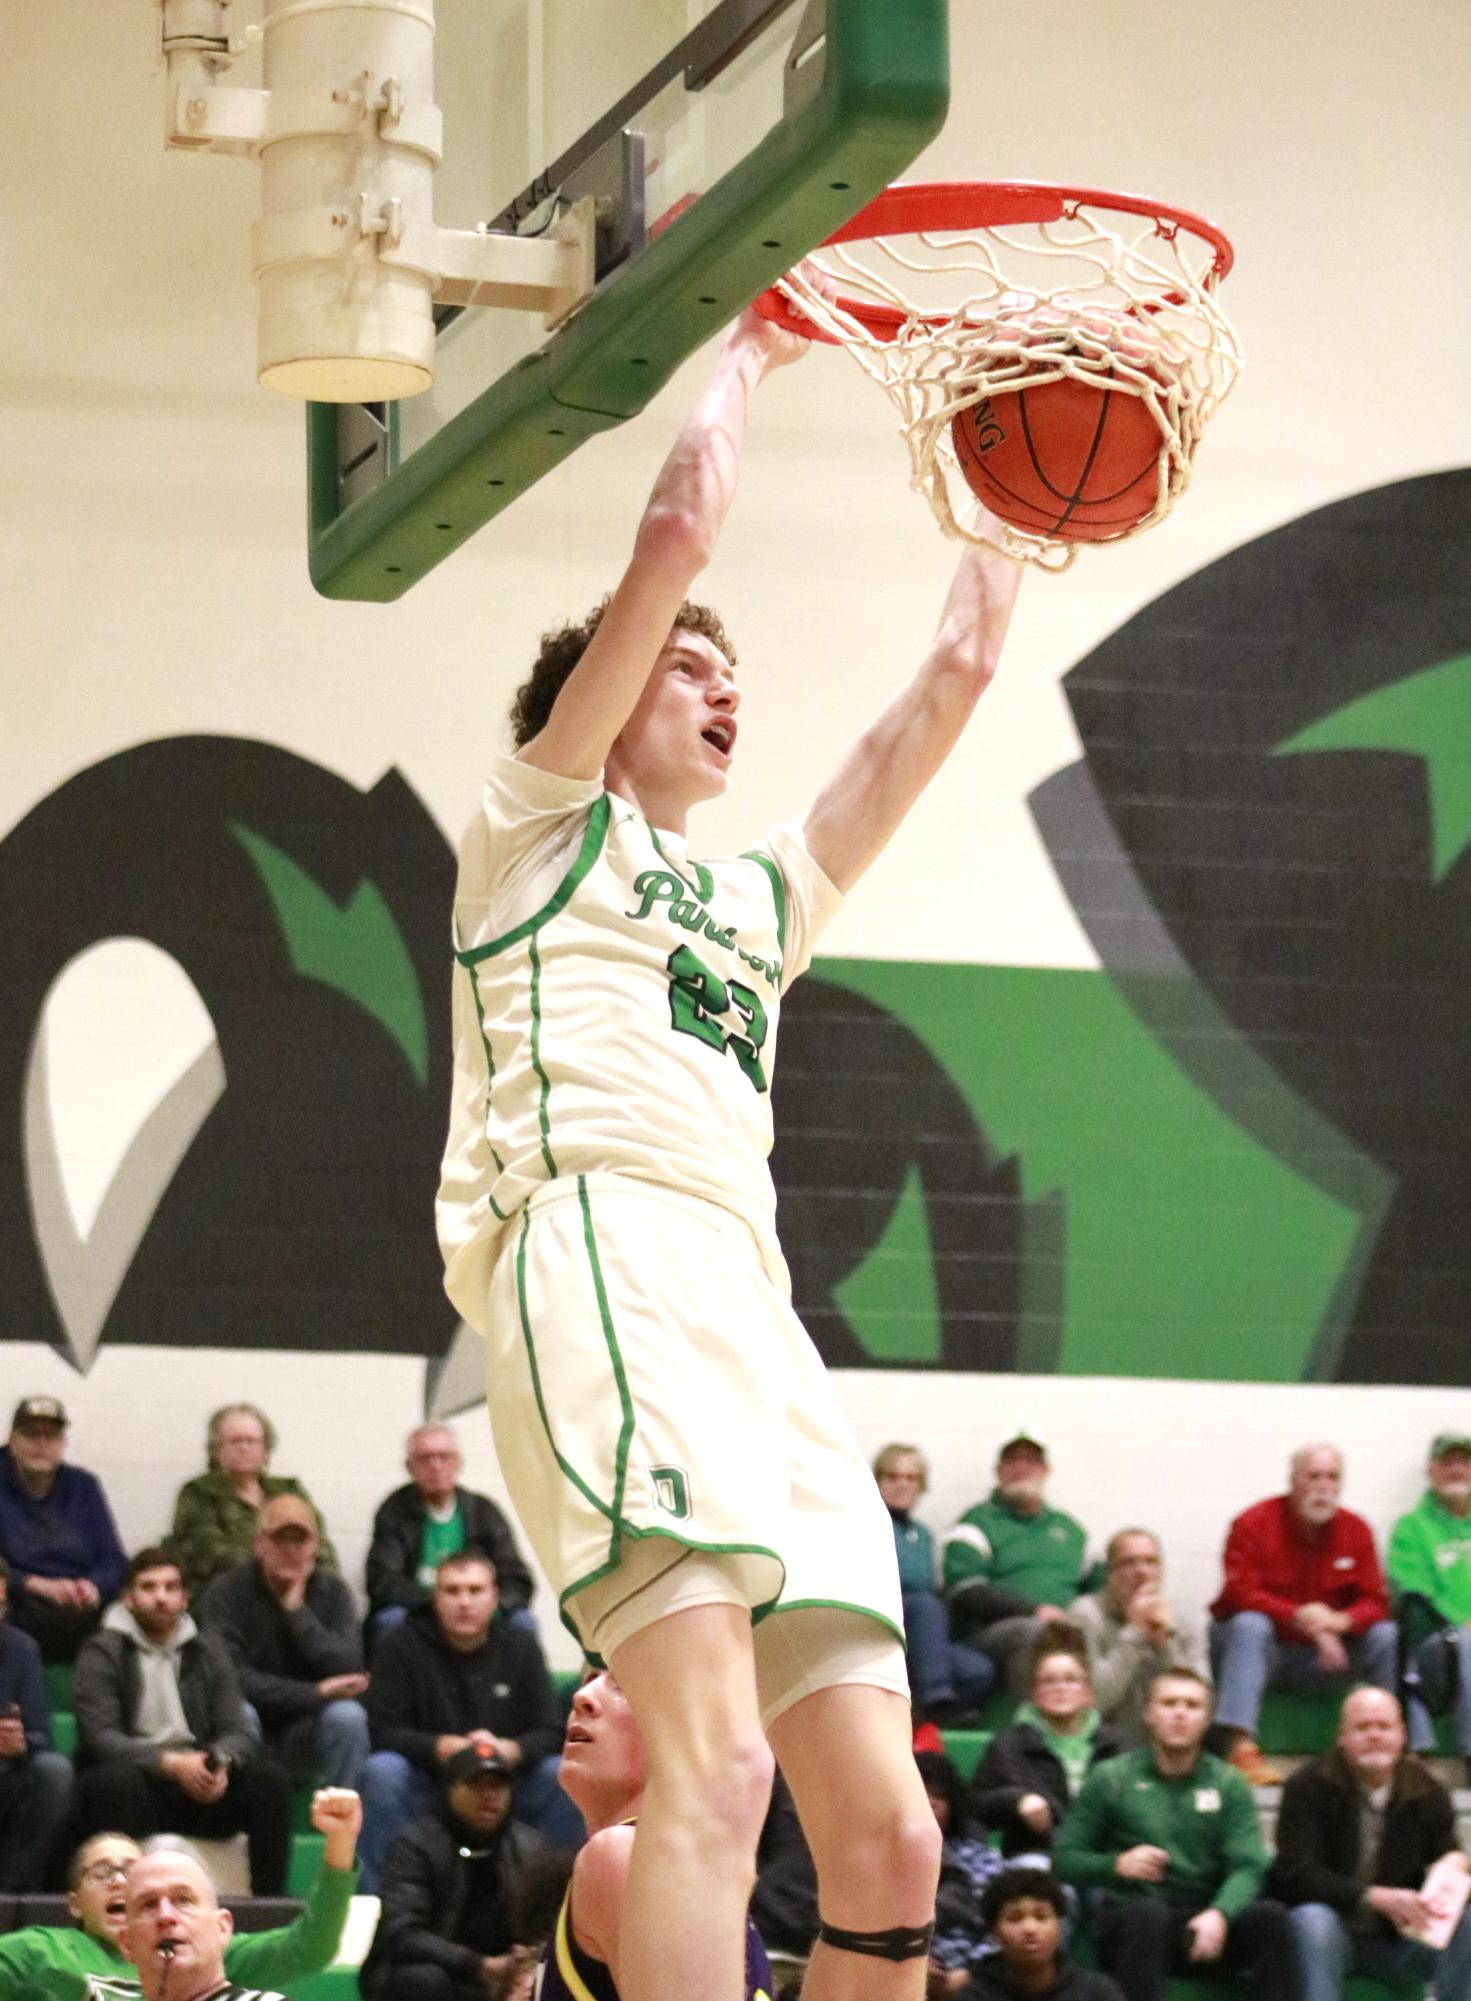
(676, 539)
(864, 801)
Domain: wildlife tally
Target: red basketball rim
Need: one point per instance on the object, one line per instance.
(936, 206)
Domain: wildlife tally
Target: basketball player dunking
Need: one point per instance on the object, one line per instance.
(667, 1431)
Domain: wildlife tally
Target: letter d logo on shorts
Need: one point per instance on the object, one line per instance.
(671, 1491)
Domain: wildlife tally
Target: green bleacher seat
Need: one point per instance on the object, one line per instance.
(1302, 1725)
(965, 1749)
(64, 1732)
(59, 1685)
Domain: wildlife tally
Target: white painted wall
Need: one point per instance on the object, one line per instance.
(153, 582)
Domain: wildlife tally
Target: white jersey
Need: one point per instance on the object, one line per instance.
(615, 1008)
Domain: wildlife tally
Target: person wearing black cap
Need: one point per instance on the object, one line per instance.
(1429, 1565)
(445, 1931)
(1011, 1564)
(56, 1533)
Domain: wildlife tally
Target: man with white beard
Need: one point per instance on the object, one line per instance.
(1303, 1604)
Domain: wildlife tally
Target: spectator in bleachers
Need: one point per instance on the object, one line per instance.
(1167, 1834)
(1303, 1604)
(948, 1681)
(1429, 1564)
(1012, 1563)
(217, 1512)
(36, 1782)
(445, 1931)
(162, 1738)
(968, 1865)
(1024, 1911)
(454, 1675)
(57, 1534)
(1359, 1830)
(61, 1962)
(294, 1634)
(430, 1518)
(1133, 1631)
(1039, 1761)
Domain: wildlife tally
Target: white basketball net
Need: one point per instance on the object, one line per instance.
(1127, 302)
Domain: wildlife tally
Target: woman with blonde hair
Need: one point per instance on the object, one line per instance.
(215, 1513)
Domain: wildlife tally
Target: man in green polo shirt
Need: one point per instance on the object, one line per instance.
(1429, 1561)
(1169, 1835)
(1012, 1564)
(57, 1962)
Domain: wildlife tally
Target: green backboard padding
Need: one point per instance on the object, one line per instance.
(884, 95)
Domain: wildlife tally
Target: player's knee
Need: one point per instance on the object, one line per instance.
(723, 1779)
(890, 1863)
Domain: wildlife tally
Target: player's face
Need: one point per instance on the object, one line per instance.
(603, 1753)
(680, 739)
(99, 1903)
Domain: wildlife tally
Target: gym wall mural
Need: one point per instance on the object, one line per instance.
(1239, 1151)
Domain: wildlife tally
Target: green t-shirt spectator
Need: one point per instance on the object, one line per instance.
(1430, 1553)
(1000, 1562)
(1205, 1820)
(441, 1538)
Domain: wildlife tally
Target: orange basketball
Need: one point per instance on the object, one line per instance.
(1072, 460)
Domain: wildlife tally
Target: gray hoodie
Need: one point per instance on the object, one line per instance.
(161, 1720)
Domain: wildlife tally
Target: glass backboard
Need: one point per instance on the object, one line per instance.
(719, 140)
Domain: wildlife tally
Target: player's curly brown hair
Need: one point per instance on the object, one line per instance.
(562, 648)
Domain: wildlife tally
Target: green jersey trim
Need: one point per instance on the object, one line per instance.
(500, 1165)
(778, 895)
(568, 1469)
(634, 1534)
(543, 1107)
(703, 886)
(625, 1429)
(587, 854)
(828, 1605)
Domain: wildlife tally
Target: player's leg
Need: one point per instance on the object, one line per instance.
(846, 1754)
(690, 1680)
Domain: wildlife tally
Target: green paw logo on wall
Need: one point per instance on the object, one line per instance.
(1239, 1150)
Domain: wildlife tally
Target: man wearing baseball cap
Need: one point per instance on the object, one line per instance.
(292, 1629)
(1429, 1565)
(1011, 1564)
(445, 1931)
(56, 1533)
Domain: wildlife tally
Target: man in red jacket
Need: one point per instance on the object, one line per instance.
(1303, 1604)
